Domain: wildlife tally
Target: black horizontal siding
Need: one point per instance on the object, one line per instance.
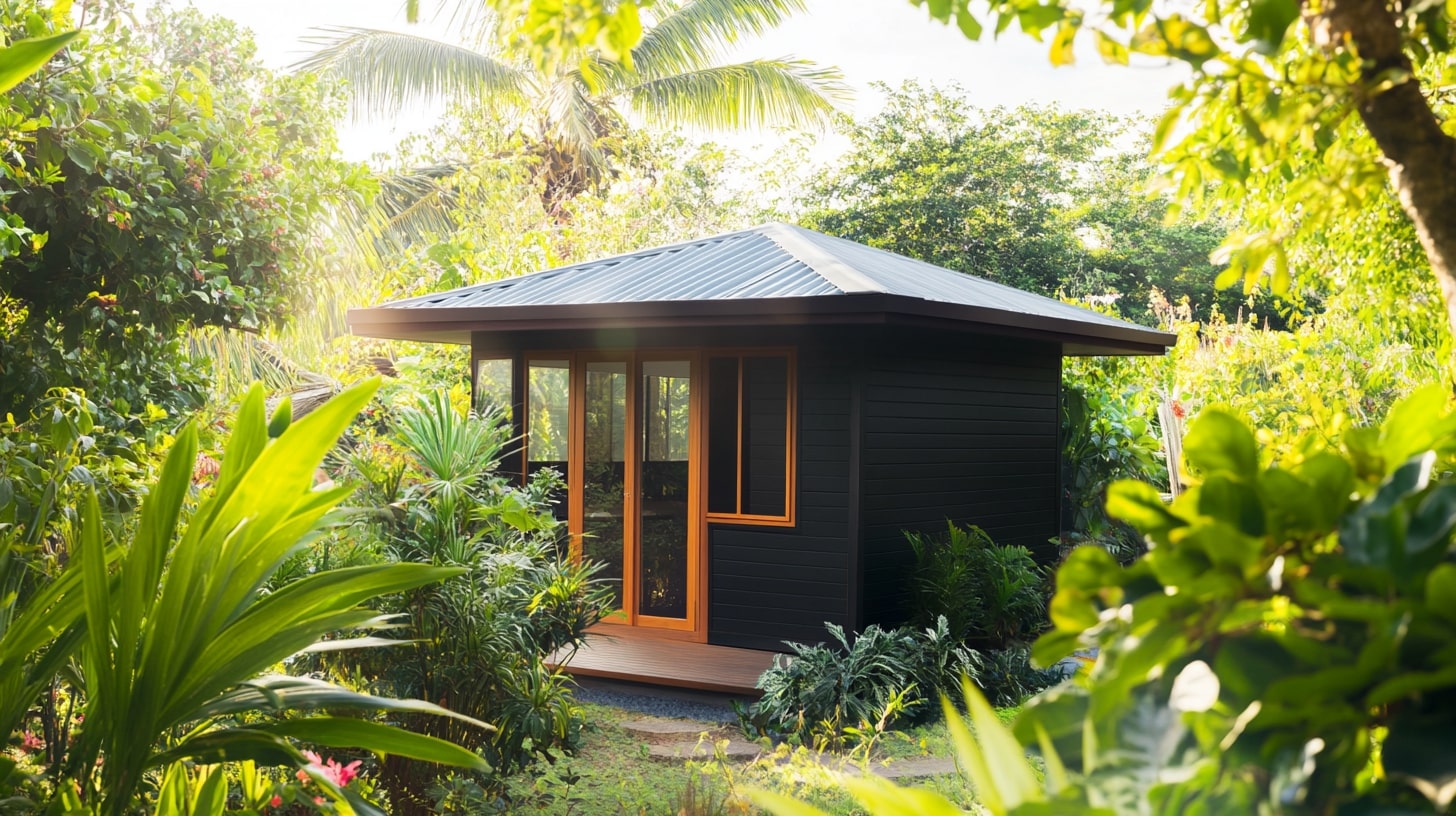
(958, 430)
(771, 584)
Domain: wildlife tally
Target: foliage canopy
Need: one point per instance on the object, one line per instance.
(155, 178)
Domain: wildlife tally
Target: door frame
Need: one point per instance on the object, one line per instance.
(694, 625)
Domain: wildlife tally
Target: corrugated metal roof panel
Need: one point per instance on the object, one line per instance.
(738, 265)
(768, 263)
(899, 275)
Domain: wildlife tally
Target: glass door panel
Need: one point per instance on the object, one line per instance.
(662, 586)
(548, 423)
(605, 471)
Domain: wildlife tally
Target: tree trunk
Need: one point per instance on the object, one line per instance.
(1420, 156)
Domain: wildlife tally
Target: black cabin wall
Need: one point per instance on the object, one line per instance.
(955, 427)
(898, 428)
(771, 584)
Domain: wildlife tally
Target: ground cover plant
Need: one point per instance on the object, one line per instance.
(975, 605)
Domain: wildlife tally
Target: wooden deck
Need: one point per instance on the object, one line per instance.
(646, 656)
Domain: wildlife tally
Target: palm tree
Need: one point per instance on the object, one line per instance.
(573, 118)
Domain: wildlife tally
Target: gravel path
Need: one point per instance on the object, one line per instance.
(657, 702)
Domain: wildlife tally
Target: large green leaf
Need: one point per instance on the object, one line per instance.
(340, 732)
(22, 58)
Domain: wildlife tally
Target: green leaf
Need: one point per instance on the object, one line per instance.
(1115, 53)
(1232, 502)
(1217, 442)
(1269, 22)
(340, 732)
(282, 417)
(1140, 505)
(1441, 592)
(1063, 43)
(22, 58)
(781, 804)
(967, 23)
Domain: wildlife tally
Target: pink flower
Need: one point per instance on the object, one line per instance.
(30, 742)
(329, 769)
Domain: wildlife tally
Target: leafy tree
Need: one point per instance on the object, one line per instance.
(978, 191)
(1273, 90)
(572, 115)
(1036, 198)
(1132, 246)
(155, 178)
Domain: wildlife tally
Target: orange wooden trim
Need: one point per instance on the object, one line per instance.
(738, 447)
(698, 499)
(750, 521)
(694, 623)
(631, 490)
(575, 455)
(791, 450)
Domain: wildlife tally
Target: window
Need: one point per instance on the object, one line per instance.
(750, 437)
(493, 385)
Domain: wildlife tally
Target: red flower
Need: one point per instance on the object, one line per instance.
(275, 801)
(1179, 411)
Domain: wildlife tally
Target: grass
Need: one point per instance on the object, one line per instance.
(614, 776)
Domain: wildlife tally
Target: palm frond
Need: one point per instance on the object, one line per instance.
(580, 125)
(387, 71)
(796, 93)
(692, 35)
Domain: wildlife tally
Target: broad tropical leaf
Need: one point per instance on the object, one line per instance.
(161, 664)
(22, 58)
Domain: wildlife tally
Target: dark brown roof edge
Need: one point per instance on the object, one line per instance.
(456, 324)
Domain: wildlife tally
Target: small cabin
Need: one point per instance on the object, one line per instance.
(748, 423)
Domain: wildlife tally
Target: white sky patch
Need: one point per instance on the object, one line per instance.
(887, 41)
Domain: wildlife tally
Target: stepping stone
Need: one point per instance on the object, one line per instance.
(660, 731)
(736, 751)
(917, 768)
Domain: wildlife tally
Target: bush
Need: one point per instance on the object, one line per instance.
(432, 495)
(169, 618)
(990, 596)
(822, 692)
(827, 695)
(1104, 439)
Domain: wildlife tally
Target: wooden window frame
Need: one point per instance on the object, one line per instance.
(791, 458)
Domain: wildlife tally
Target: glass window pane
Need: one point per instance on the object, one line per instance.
(764, 480)
(493, 385)
(723, 435)
(662, 586)
(604, 468)
(548, 383)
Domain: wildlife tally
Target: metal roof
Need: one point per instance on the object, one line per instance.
(770, 273)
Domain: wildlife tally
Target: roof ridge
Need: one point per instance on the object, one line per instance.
(844, 277)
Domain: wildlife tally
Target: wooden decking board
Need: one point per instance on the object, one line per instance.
(630, 653)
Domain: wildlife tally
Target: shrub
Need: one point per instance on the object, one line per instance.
(478, 642)
(990, 596)
(1103, 439)
(825, 693)
(159, 637)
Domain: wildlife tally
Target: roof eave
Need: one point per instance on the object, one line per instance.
(455, 325)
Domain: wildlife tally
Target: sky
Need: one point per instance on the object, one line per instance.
(887, 41)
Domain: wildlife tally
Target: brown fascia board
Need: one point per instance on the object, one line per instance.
(455, 325)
